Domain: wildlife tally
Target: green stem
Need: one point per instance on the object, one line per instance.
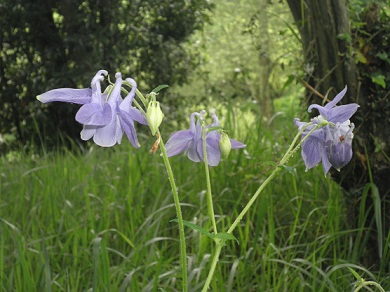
(217, 252)
(183, 256)
(368, 283)
(209, 196)
(253, 199)
(291, 150)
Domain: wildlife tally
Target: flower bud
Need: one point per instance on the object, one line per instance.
(154, 116)
(225, 145)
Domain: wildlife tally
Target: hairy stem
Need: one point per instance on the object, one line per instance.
(209, 196)
(183, 256)
(291, 150)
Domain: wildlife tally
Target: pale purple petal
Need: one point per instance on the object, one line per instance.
(339, 154)
(215, 120)
(326, 165)
(126, 104)
(178, 142)
(128, 126)
(237, 144)
(193, 153)
(137, 116)
(312, 150)
(337, 98)
(115, 95)
(78, 96)
(109, 135)
(342, 113)
(88, 132)
(96, 88)
(93, 114)
(213, 151)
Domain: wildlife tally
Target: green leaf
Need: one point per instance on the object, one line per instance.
(225, 236)
(195, 227)
(379, 79)
(289, 80)
(287, 168)
(378, 217)
(383, 56)
(158, 88)
(357, 276)
(360, 57)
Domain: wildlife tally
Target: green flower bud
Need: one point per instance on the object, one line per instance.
(154, 116)
(225, 145)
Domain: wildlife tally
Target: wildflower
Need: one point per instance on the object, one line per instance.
(105, 117)
(332, 143)
(190, 141)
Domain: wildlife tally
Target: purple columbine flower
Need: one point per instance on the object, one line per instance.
(330, 144)
(104, 116)
(190, 141)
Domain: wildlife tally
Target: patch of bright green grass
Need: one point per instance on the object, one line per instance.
(98, 220)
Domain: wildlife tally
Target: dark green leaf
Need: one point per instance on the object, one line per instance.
(225, 236)
(195, 227)
(287, 168)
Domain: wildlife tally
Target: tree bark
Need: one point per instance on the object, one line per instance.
(324, 29)
(264, 97)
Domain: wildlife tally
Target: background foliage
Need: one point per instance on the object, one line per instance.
(52, 44)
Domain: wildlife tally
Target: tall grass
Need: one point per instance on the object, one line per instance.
(98, 219)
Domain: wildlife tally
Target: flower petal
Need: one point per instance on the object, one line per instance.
(323, 111)
(126, 104)
(213, 151)
(96, 88)
(237, 144)
(326, 165)
(88, 132)
(137, 116)
(79, 96)
(178, 142)
(108, 135)
(193, 153)
(342, 113)
(127, 124)
(93, 114)
(337, 98)
(312, 150)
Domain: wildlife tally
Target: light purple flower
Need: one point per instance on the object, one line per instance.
(190, 141)
(105, 117)
(331, 144)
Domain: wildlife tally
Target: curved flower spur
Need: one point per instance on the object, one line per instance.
(332, 143)
(104, 116)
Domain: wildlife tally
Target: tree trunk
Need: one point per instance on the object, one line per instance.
(326, 41)
(264, 97)
(324, 29)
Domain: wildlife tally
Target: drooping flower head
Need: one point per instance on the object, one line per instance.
(104, 116)
(332, 143)
(190, 141)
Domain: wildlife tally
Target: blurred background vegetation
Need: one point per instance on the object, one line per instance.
(250, 60)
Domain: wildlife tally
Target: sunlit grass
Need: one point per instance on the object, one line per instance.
(100, 219)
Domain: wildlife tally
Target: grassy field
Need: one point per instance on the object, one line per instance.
(99, 220)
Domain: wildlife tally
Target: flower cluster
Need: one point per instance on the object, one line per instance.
(104, 116)
(330, 144)
(190, 141)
